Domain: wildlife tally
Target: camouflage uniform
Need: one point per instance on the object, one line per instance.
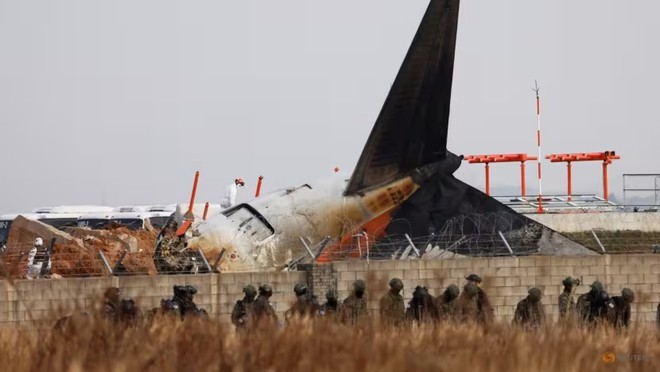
(420, 307)
(466, 305)
(620, 313)
(392, 309)
(183, 297)
(168, 308)
(566, 300)
(445, 304)
(304, 305)
(354, 308)
(330, 309)
(486, 313)
(529, 312)
(111, 306)
(243, 308)
(130, 315)
(262, 309)
(594, 305)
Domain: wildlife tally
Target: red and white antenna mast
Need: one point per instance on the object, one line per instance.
(538, 143)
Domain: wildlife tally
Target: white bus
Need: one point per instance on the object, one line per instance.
(94, 221)
(138, 220)
(6, 221)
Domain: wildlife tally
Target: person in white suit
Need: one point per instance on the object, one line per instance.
(36, 259)
(230, 194)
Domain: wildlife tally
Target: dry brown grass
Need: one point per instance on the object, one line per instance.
(306, 346)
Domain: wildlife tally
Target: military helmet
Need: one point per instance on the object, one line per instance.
(360, 285)
(471, 289)
(265, 289)
(453, 291)
(249, 290)
(569, 281)
(300, 289)
(628, 294)
(420, 292)
(112, 293)
(191, 289)
(127, 304)
(473, 278)
(331, 294)
(396, 283)
(178, 289)
(535, 294)
(597, 286)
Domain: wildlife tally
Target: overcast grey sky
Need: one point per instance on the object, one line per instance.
(119, 102)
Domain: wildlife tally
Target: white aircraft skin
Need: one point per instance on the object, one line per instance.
(293, 213)
(408, 139)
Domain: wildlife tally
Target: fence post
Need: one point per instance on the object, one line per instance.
(105, 262)
(412, 245)
(506, 243)
(598, 240)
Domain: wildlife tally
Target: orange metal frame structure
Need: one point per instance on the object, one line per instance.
(502, 158)
(606, 157)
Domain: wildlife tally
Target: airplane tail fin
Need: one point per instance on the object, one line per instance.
(411, 129)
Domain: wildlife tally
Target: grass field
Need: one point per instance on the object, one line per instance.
(307, 346)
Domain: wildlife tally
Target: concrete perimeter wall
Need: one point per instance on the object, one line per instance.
(506, 280)
(578, 222)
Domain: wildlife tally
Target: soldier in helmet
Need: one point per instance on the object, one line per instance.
(467, 310)
(263, 310)
(420, 307)
(305, 305)
(445, 304)
(330, 308)
(392, 308)
(183, 296)
(130, 314)
(594, 305)
(168, 309)
(111, 306)
(529, 312)
(620, 313)
(243, 308)
(567, 301)
(354, 308)
(486, 311)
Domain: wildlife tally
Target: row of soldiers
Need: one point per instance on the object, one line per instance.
(122, 312)
(592, 308)
(470, 305)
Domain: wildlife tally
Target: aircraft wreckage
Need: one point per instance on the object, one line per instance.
(401, 195)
